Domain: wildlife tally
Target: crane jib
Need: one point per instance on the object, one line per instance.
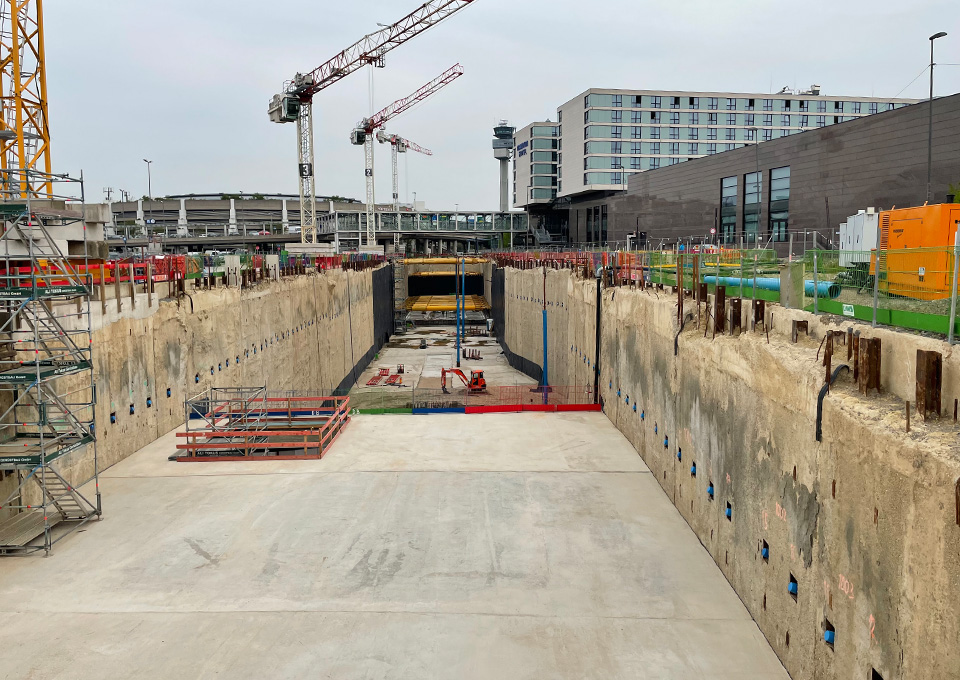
(375, 45)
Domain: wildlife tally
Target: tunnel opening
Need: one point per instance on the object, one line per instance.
(443, 285)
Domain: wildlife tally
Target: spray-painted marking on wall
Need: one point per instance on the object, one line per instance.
(873, 627)
(781, 512)
(846, 586)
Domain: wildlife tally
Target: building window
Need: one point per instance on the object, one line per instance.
(821, 121)
(804, 105)
(654, 133)
(751, 104)
(655, 148)
(654, 163)
(616, 163)
(768, 105)
(731, 104)
(712, 118)
(767, 135)
(655, 117)
(674, 148)
(750, 118)
(636, 133)
(636, 117)
(785, 105)
(731, 133)
(857, 107)
(674, 118)
(779, 203)
(559, 116)
(729, 147)
(616, 147)
(711, 149)
(890, 107)
(837, 119)
(768, 119)
(635, 100)
(821, 106)
(711, 133)
(694, 102)
(635, 147)
(693, 149)
(693, 133)
(694, 118)
(616, 132)
(713, 103)
(750, 135)
(785, 121)
(731, 119)
(603, 224)
(804, 121)
(752, 189)
(728, 210)
(873, 107)
(838, 107)
(617, 100)
(654, 102)
(635, 164)
(674, 133)
(674, 102)
(616, 116)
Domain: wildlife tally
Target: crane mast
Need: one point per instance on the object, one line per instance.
(295, 103)
(24, 123)
(399, 145)
(364, 132)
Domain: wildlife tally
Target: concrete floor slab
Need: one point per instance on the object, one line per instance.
(516, 546)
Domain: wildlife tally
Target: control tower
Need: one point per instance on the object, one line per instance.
(503, 152)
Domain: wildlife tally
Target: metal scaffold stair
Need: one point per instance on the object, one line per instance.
(399, 298)
(47, 390)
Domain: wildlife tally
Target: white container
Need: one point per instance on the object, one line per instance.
(858, 237)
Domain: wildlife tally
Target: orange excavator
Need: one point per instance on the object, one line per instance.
(475, 385)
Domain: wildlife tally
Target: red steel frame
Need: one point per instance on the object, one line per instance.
(371, 48)
(280, 411)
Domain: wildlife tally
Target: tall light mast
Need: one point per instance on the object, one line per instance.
(399, 145)
(24, 124)
(295, 103)
(364, 132)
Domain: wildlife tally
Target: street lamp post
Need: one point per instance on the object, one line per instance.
(149, 179)
(756, 144)
(933, 37)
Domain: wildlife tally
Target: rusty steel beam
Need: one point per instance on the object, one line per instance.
(929, 383)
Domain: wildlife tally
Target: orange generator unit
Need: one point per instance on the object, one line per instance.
(916, 259)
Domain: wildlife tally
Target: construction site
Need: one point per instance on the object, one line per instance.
(469, 461)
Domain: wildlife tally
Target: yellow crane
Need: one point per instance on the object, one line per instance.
(24, 124)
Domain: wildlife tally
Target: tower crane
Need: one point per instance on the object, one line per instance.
(295, 103)
(363, 133)
(399, 145)
(24, 115)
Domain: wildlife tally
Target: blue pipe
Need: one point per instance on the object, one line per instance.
(825, 289)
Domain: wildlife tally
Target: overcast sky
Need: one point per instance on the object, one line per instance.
(187, 83)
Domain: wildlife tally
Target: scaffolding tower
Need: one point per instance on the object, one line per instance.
(399, 297)
(48, 445)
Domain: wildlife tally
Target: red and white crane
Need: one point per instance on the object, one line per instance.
(399, 145)
(295, 103)
(363, 134)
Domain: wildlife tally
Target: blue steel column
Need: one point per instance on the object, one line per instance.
(456, 276)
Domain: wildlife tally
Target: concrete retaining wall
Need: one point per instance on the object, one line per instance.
(304, 333)
(866, 521)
